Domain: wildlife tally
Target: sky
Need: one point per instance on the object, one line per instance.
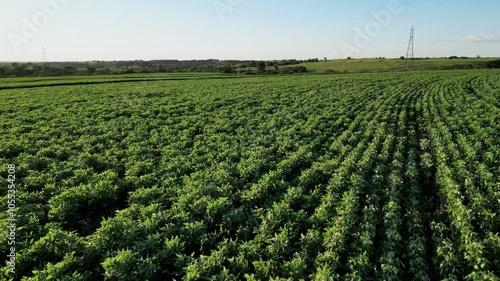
(83, 30)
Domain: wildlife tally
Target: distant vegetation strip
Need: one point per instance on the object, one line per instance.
(96, 80)
(252, 67)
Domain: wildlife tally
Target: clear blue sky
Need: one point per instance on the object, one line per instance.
(244, 29)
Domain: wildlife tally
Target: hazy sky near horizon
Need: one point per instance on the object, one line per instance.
(81, 30)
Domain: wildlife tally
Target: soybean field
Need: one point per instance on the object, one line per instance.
(384, 176)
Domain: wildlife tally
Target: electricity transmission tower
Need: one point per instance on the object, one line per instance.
(409, 53)
(44, 55)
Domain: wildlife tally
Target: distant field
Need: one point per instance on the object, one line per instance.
(371, 176)
(378, 65)
(28, 82)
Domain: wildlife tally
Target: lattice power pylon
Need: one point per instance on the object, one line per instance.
(410, 52)
(44, 55)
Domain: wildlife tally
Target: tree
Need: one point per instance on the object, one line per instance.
(295, 69)
(493, 64)
(402, 58)
(228, 69)
(299, 69)
(261, 67)
(69, 69)
(21, 70)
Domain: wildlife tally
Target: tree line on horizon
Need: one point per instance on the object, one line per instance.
(242, 67)
(16, 69)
